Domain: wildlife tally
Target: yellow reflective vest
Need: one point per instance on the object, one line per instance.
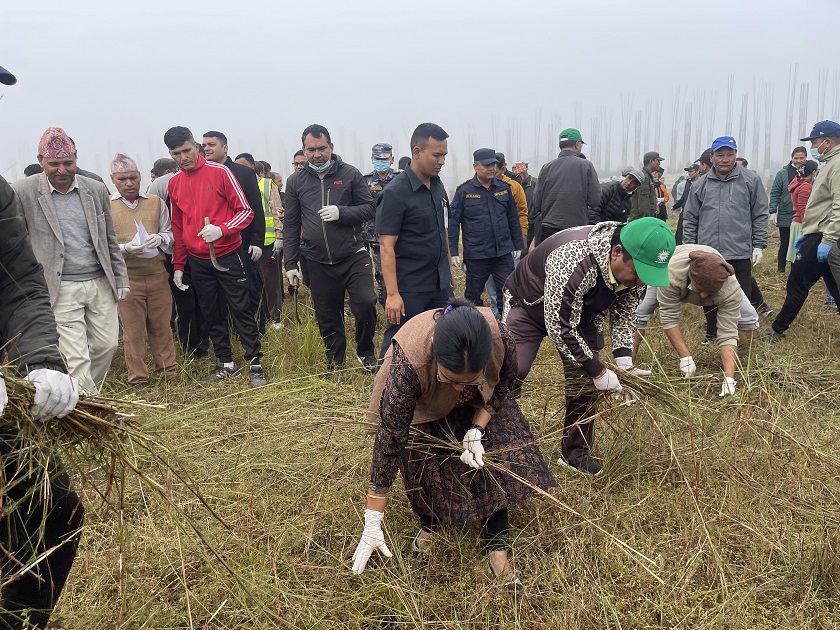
(265, 191)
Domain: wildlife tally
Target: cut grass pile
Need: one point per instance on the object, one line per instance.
(710, 513)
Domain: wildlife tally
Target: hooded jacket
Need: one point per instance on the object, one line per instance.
(644, 199)
(822, 215)
(615, 204)
(567, 186)
(728, 214)
(800, 192)
(565, 285)
(780, 201)
(327, 242)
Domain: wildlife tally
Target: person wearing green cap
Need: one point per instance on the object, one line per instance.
(563, 290)
(566, 188)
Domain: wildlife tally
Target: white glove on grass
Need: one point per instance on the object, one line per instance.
(687, 366)
(728, 388)
(626, 364)
(372, 538)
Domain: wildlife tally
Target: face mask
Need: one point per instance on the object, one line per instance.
(629, 193)
(382, 166)
(815, 152)
(319, 169)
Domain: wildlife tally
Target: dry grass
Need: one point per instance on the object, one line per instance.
(734, 503)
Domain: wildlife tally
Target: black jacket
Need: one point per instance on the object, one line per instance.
(615, 204)
(254, 234)
(327, 242)
(566, 188)
(27, 329)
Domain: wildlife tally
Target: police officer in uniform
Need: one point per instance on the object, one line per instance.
(485, 213)
(382, 156)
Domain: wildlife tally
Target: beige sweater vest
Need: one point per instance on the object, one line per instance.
(147, 212)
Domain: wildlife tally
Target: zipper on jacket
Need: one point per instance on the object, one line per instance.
(324, 223)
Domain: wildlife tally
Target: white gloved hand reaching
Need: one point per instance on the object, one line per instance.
(255, 252)
(122, 293)
(456, 261)
(328, 213)
(729, 387)
(277, 248)
(473, 455)
(687, 366)
(132, 248)
(210, 233)
(608, 382)
(293, 274)
(178, 279)
(626, 364)
(56, 393)
(517, 254)
(372, 538)
(154, 241)
(757, 255)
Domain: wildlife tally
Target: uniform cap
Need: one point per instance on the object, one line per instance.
(55, 143)
(164, 164)
(485, 156)
(724, 142)
(652, 155)
(500, 158)
(122, 163)
(6, 77)
(823, 129)
(382, 151)
(650, 243)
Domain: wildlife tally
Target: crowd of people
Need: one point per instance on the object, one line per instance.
(209, 240)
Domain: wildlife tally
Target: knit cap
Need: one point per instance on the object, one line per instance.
(708, 272)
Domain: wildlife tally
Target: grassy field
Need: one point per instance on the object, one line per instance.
(710, 514)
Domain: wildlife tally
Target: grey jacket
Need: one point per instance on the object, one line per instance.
(36, 208)
(729, 214)
(566, 187)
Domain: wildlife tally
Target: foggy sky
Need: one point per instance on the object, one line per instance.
(116, 75)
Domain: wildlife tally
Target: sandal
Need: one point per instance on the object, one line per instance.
(415, 548)
(512, 586)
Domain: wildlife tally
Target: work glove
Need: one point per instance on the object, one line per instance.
(178, 279)
(255, 252)
(473, 455)
(687, 366)
(122, 293)
(210, 233)
(728, 388)
(626, 364)
(517, 254)
(798, 243)
(4, 396)
(154, 241)
(328, 213)
(133, 249)
(608, 383)
(456, 261)
(293, 274)
(277, 248)
(56, 393)
(822, 252)
(774, 218)
(372, 538)
(757, 255)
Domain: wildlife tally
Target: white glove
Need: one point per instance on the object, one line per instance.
(328, 213)
(292, 274)
(372, 538)
(56, 393)
(774, 218)
(456, 261)
(122, 293)
(608, 382)
(626, 364)
(728, 388)
(4, 396)
(210, 233)
(517, 254)
(154, 241)
(178, 279)
(660, 200)
(255, 252)
(277, 247)
(758, 254)
(133, 249)
(687, 366)
(473, 450)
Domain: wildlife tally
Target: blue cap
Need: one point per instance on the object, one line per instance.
(382, 151)
(824, 129)
(485, 156)
(724, 142)
(6, 77)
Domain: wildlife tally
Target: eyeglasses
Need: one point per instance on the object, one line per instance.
(446, 381)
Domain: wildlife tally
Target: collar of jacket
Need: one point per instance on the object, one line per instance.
(566, 153)
(826, 157)
(599, 244)
(495, 184)
(735, 172)
(199, 163)
(336, 162)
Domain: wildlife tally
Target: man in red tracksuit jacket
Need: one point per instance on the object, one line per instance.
(200, 190)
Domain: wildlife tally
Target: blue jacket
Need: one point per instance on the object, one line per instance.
(488, 219)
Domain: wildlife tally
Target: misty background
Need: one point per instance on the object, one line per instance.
(506, 75)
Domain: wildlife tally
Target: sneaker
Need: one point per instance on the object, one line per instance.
(417, 549)
(139, 387)
(707, 341)
(369, 363)
(764, 310)
(587, 465)
(256, 376)
(770, 334)
(278, 326)
(220, 373)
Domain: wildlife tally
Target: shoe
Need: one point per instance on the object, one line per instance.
(220, 373)
(764, 310)
(416, 549)
(292, 290)
(513, 586)
(771, 335)
(329, 370)
(256, 376)
(139, 387)
(369, 363)
(707, 341)
(587, 465)
(278, 326)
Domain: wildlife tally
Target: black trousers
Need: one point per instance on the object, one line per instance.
(328, 283)
(220, 292)
(545, 231)
(784, 241)
(479, 269)
(414, 304)
(743, 273)
(187, 321)
(34, 522)
(255, 289)
(804, 274)
(496, 531)
(678, 235)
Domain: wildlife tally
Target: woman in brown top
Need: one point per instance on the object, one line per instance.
(448, 375)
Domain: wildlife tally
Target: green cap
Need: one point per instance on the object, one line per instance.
(651, 244)
(570, 135)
